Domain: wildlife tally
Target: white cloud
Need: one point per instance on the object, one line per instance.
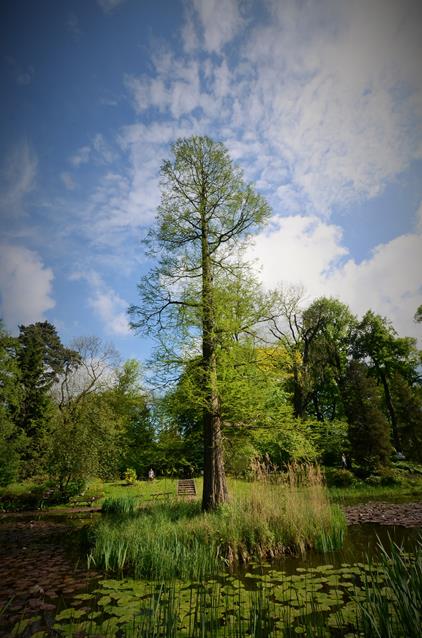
(106, 303)
(108, 6)
(322, 105)
(81, 156)
(220, 21)
(17, 179)
(68, 181)
(307, 251)
(25, 285)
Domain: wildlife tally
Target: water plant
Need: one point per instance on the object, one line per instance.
(395, 608)
(264, 519)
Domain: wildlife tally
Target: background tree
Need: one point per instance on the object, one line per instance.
(131, 409)
(388, 355)
(369, 431)
(407, 400)
(86, 433)
(41, 358)
(12, 439)
(206, 209)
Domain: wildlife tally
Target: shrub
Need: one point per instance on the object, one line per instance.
(339, 478)
(388, 476)
(130, 476)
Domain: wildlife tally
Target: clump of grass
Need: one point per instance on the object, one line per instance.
(175, 539)
(122, 505)
(395, 608)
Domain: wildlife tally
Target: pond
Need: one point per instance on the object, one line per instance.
(47, 590)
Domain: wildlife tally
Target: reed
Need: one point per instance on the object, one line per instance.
(263, 520)
(394, 608)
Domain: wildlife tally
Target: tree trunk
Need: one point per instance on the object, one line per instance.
(215, 487)
(391, 411)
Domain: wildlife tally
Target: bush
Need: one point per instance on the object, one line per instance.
(388, 477)
(339, 478)
(373, 480)
(130, 476)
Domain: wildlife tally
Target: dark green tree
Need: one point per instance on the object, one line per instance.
(12, 440)
(41, 359)
(387, 354)
(407, 400)
(369, 431)
(206, 210)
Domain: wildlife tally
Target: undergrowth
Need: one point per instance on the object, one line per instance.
(175, 539)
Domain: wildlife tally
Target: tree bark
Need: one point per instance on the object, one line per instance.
(215, 487)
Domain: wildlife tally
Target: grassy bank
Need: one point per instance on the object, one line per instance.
(174, 538)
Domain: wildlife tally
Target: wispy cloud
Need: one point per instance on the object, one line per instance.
(68, 180)
(108, 6)
(17, 179)
(81, 156)
(72, 25)
(109, 307)
(22, 74)
(331, 93)
(220, 21)
(25, 286)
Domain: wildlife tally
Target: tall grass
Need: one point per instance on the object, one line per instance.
(175, 539)
(120, 505)
(395, 608)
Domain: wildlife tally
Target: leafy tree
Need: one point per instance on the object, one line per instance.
(317, 340)
(130, 408)
(206, 210)
(369, 431)
(418, 314)
(41, 359)
(388, 355)
(407, 400)
(12, 440)
(86, 431)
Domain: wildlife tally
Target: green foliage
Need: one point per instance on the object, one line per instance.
(331, 439)
(394, 609)
(368, 428)
(41, 358)
(407, 400)
(175, 539)
(12, 439)
(339, 477)
(123, 505)
(130, 476)
(206, 212)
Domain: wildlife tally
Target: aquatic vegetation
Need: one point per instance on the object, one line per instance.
(322, 601)
(175, 539)
(395, 608)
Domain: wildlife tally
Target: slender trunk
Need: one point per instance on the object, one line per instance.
(390, 409)
(215, 487)
(298, 408)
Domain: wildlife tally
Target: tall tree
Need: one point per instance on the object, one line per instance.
(12, 440)
(376, 340)
(206, 210)
(368, 426)
(318, 341)
(41, 358)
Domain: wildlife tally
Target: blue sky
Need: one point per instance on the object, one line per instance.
(320, 103)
